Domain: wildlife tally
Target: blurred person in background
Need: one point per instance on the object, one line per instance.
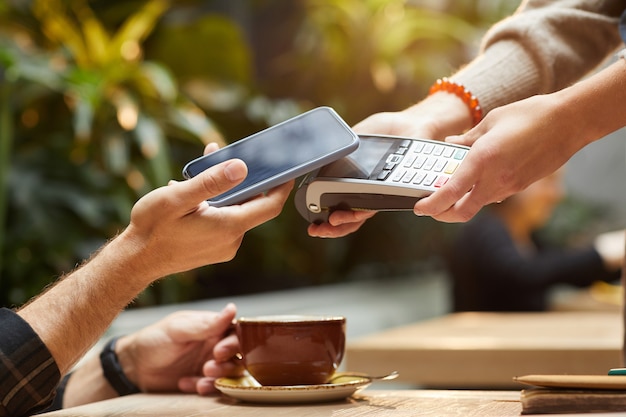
(498, 262)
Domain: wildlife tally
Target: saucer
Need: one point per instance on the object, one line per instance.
(247, 389)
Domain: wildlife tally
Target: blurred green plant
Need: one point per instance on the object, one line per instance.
(88, 124)
(101, 101)
(117, 97)
(373, 50)
(365, 56)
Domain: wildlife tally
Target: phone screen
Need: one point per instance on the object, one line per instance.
(281, 153)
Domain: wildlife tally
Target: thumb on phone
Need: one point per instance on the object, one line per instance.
(215, 180)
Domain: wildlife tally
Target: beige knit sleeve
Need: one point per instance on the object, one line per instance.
(545, 46)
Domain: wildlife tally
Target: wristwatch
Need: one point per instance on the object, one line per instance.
(113, 371)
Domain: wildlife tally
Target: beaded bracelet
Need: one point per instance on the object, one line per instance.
(449, 86)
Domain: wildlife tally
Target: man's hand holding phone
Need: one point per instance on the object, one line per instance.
(281, 153)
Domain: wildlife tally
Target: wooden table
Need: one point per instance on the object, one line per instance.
(486, 350)
(402, 403)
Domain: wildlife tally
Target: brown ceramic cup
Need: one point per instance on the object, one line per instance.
(291, 349)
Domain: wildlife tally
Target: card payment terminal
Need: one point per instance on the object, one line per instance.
(385, 173)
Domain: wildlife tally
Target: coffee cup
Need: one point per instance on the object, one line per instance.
(291, 349)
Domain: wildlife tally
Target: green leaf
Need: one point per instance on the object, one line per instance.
(116, 152)
(85, 83)
(218, 47)
(138, 26)
(191, 119)
(95, 35)
(32, 67)
(160, 79)
(154, 148)
(82, 118)
(60, 28)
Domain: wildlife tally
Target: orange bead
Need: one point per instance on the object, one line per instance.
(449, 86)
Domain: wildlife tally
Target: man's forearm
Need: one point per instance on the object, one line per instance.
(87, 384)
(71, 315)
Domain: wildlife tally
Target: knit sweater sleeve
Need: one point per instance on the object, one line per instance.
(543, 47)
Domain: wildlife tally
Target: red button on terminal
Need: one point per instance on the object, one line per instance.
(440, 181)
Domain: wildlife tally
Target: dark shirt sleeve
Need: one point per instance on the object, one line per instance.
(500, 259)
(28, 371)
(491, 273)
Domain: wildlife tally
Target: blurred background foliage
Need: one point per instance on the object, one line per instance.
(104, 100)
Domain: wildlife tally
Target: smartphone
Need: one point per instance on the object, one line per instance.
(281, 153)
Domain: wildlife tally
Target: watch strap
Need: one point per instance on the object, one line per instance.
(113, 371)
